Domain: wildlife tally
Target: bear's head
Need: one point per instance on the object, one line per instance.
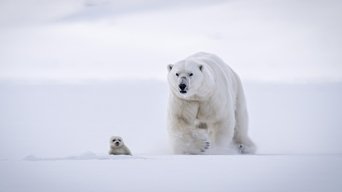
(187, 79)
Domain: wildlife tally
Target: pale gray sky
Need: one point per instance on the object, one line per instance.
(100, 39)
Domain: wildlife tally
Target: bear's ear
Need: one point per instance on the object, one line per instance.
(200, 67)
(169, 67)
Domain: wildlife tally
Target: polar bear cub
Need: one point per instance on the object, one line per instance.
(117, 147)
(207, 112)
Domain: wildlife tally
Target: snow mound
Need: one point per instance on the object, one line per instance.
(84, 156)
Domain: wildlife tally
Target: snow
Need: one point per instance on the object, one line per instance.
(71, 71)
(55, 137)
(176, 173)
(60, 119)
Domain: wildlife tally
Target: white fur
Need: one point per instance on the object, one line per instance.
(213, 109)
(118, 147)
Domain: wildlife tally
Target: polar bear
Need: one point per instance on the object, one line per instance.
(207, 111)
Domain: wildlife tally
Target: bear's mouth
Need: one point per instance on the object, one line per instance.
(183, 91)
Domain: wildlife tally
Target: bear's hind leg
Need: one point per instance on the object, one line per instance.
(241, 140)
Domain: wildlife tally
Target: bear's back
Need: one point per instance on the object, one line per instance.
(224, 75)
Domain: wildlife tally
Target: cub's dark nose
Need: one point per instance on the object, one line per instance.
(182, 86)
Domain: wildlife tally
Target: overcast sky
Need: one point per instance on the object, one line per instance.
(291, 41)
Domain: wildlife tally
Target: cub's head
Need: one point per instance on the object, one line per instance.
(185, 78)
(116, 142)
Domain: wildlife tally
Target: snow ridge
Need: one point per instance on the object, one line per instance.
(84, 156)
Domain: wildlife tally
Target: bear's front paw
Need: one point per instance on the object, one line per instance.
(205, 146)
(197, 147)
(193, 143)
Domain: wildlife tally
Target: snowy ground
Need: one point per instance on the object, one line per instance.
(54, 137)
(59, 119)
(175, 173)
(70, 77)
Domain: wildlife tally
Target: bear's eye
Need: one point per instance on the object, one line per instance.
(177, 74)
(113, 141)
(119, 140)
(191, 74)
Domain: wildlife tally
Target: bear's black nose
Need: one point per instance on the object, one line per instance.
(182, 86)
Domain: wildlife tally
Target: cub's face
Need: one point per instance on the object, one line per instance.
(185, 78)
(116, 142)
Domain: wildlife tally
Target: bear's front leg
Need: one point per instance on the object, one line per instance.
(221, 134)
(186, 137)
(190, 141)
